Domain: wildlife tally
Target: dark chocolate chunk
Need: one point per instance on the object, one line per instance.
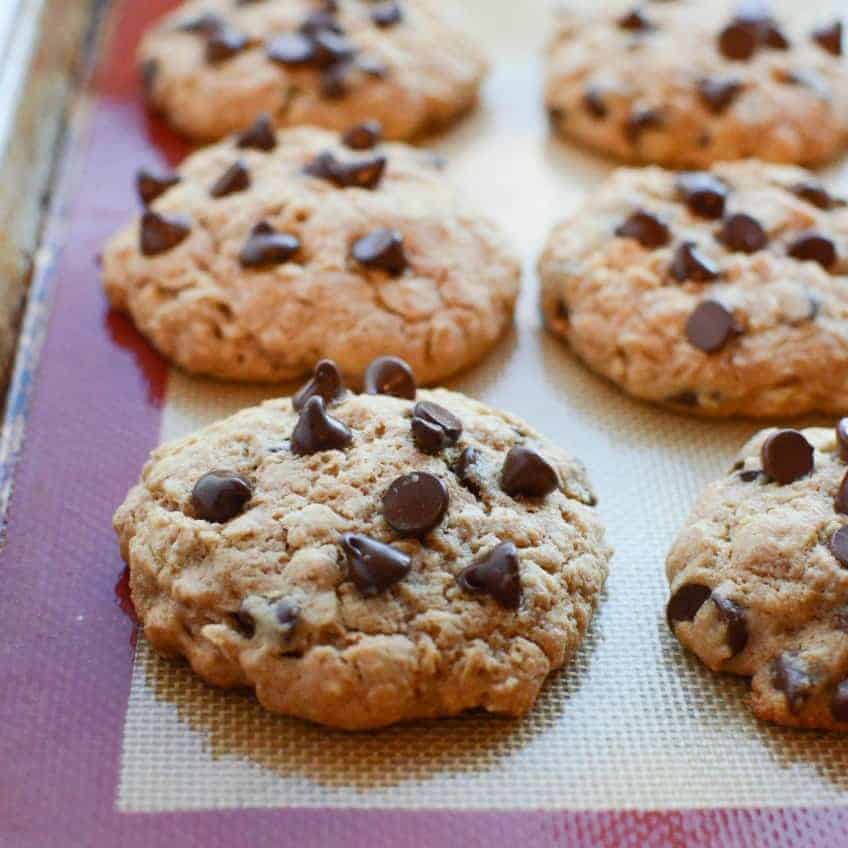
(374, 566)
(415, 504)
(641, 120)
(593, 102)
(839, 546)
(326, 383)
(635, 21)
(362, 173)
(787, 456)
(739, 41)
(316, 431)
(220, 496)
(830, 37)
(292, 49)
(161, 233)
(690, 263)
(150, 185)
(390, 375)
(814, 247)
(387, 14)
(646, 228)
(527, 472)
(434, 427)
(260, 136)
(711, 326)
(791, 676)
(718, 94)
(842, 439)
(235, 179)
(363, 136)
(736, 622)
(382, 249)
(704, 194)
(840, 502)
(496, 575)
(224, 43)
(839, 702)
(742, 233)
(266, 247)
(428, 437)
(685, 603)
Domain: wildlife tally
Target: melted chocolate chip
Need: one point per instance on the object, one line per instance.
(646, 228)
(641, 120)
(593, 103)
(373, 566)
(292, 49)
(742, 233)
(685, 603)
(496, 575)
(235, 179)
(839, 546)
(635, 21)
(736, 622)
(840, 502)
(718, 94)
(364, 173)
(468, 472)
(223, 44)
(220, 496)
(842, 439)
(814, 247)
(816, 194)
(711, 326)
(829, 37)
(316, 431)
(382, 249)
(527, 472)
(326, 383)
(260, 136)
(150, 186)
(161, 233)
(705, 195)
(387, 14)
(839, 702)
(791, 676)
(434, 427)
(787, 456)
(363, 136)
(390, 375)
(266, 247)
(415, 504)
(690, 263)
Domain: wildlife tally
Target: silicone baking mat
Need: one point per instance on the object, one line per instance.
(103, 743)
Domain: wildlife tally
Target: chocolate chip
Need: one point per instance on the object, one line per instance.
(527, 472)
(161, 233)
(790, 676)
(814, 247)
(260, 136)
(739, 41)
(331, 48)
(641, 120)
(772, 36)
(685, 603)
(286, 615)
(220, 496)
(496, 575)
(646, 228)
(316, 431)
(839, 702)
(206, 23)
(718, 94)
(690, 264)
(382, 249)
(840, 502)
(839, 546)
(245, 623)
(787, 456)
(149, 73)
(434, 427)
(326, 383)
(373, 566)
(150, 186)
(334, 80)
(816, 194)
(235, 179)
(415, 503)
(468, 472)
(742, 233)
(593, 103)
(322, 19)
(830, 37)
(390, 375)
(736, 622)
(223, 44)
(705, 195)
(711, 326)
(386, 14)
(750, 476)
(842, 439)
(363, 173)
(292, 49)
(266, 247)
(363, 136)
(635, 21)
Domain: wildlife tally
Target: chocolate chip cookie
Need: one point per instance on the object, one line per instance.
(268, 252)
(689, 83)
(364, 559)
(717, 293)
(759, 576)
(213, 66)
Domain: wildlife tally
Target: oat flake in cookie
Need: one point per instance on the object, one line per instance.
(759, 576)
(716, 293)
(692, 82)
(269, 252)
(212, 67)
(324, 559)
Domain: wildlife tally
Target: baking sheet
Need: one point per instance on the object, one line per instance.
(97, 729)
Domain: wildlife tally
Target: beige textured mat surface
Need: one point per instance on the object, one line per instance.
(633, 722)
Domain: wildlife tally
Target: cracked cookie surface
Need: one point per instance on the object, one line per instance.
(270, 252)
(689, 83)
(213, 66)
(717, 293)
(334, 595)
(759, 577)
